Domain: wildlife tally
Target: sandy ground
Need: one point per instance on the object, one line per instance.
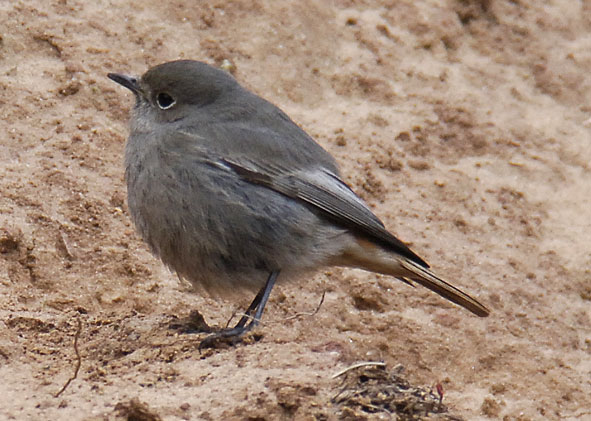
(465, 126)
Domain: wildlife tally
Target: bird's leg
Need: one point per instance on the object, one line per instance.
(252, 307)
(257, 306)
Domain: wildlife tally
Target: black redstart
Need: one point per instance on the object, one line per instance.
(228, 191)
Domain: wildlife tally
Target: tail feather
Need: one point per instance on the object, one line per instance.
(367, 255)
(429, 280)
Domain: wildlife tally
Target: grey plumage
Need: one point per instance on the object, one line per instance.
(226, 188)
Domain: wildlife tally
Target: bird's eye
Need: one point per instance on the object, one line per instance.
(165, 101)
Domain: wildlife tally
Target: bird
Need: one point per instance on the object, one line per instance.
(231, 194)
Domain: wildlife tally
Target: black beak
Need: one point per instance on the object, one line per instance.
(129, 82)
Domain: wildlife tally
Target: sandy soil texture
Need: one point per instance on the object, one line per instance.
(465, 125)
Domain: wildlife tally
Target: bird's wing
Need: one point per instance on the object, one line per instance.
(306, 174)
(326, 192)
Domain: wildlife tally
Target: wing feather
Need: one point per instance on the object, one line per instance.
(329, 194)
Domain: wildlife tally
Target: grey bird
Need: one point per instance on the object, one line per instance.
(229, 192)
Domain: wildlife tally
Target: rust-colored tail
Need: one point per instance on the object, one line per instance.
(366, 255)
(429, 280)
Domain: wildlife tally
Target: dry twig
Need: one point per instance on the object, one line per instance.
(354, 366)
(78, 359)
(293, 316)
(313, 313)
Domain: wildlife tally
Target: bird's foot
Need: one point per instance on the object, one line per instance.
(195, 323)
(229, 337)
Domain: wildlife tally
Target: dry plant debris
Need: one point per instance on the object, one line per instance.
(372, 389)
